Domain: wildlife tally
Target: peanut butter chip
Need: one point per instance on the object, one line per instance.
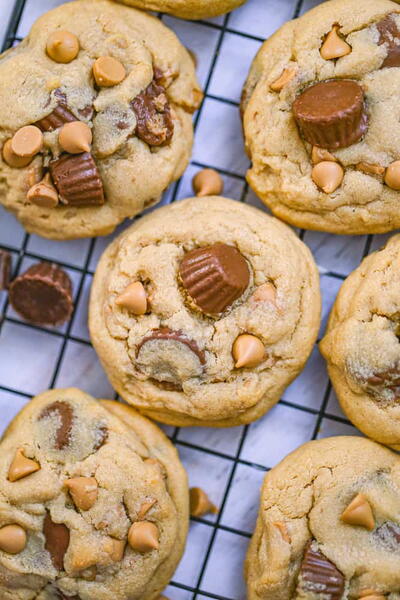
(27, 141)
(133, 298)
(320, 154)
(265, 293)
(248, 351)
(143, 536)
(12, 159)
(108, 71)
(327, 176)
(370, 169)
(21, 466)
(281, 526)
(392, 176)
(359, 512)
(283, 79)
(200, 504)
(374, 597)
(145, 507)
(83, 490)
(43, 193)
(62, 46)
(12, 539)
(207, 182)
(117, 550)
(334, 46)
(75, 137)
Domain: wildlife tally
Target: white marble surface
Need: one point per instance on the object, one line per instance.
(28, 356)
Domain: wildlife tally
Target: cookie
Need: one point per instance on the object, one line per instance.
(361, 345)
(320, 113)
(204, 311)
(101, 121)
(328, 526)
(187, 9)
(94, 502)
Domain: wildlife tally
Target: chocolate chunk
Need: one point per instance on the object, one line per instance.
(153, 113)
(214, 276)
(56, 541)
(389, 35)
(42, 295)
(331, 114)
(77, 180)
(389, 534)
(5, 269)
(64, 412)
(319, 575)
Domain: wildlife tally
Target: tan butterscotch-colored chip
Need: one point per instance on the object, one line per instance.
(359, 512)
(283, 79)
(12, 539)
(43, 193)
(21, 466)
(265, 293)
(75, 137)
(281, 526)
(207, 182)
(320, 154)
(145, 507)
(328, 176)
(117, 550)
(27, 141)
(248, 351)
(200, 504)
(334, 46)
(17, 162)
(392, 175)
(62, 46)
(108, 71)
(143, 536)
(84, 491)
(133, 298)
(370, 169)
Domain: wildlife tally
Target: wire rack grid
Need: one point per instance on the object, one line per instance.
(229, 464)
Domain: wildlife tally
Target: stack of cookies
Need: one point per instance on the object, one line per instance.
(204, 311)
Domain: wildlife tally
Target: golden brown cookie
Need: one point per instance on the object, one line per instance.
(94, 502)
(320, 113)
(101, 121)
(328, 526)
(204, 311)
(187, 9)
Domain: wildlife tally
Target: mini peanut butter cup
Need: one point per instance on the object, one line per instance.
(153, 114)
(77, 180)
(319, 575)
(42, 295)
(390, 36)
(59, 116)
(214, 277)
(331, 114)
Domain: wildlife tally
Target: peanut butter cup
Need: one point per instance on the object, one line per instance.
(319, 575)
(77, 180)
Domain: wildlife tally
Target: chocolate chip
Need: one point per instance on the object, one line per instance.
(389, 35)
(331, 114)
(319, 575)
(59, 116)
(56, 541)
(214, 276)
(153, 113)
(77, 180)
(64, 412)
(5, 269)
(389, 534)
(42, 295)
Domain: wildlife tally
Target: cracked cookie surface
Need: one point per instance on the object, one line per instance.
(131, 85)
(187, 9)
(328, 526)
(350, 184)
(362, 347)
(204, 311)
(94, 502)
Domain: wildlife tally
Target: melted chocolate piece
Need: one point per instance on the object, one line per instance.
(5, 269)
(319, 575)
(102, 437)
(57, 541)
(164, 333)
(331, 114)
(389, 379)
(64, 412)
(389, 534)
(77, 180)
(214, 276)
(389, 35)
(153, 113)
(42, 295)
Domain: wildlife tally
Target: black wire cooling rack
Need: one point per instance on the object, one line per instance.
(308, 407)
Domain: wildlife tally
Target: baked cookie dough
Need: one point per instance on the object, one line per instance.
(328, 526)
(321, 118)
(204, 311)
(102, 98)
(362, 348)
(94, 502)
(187, 9)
